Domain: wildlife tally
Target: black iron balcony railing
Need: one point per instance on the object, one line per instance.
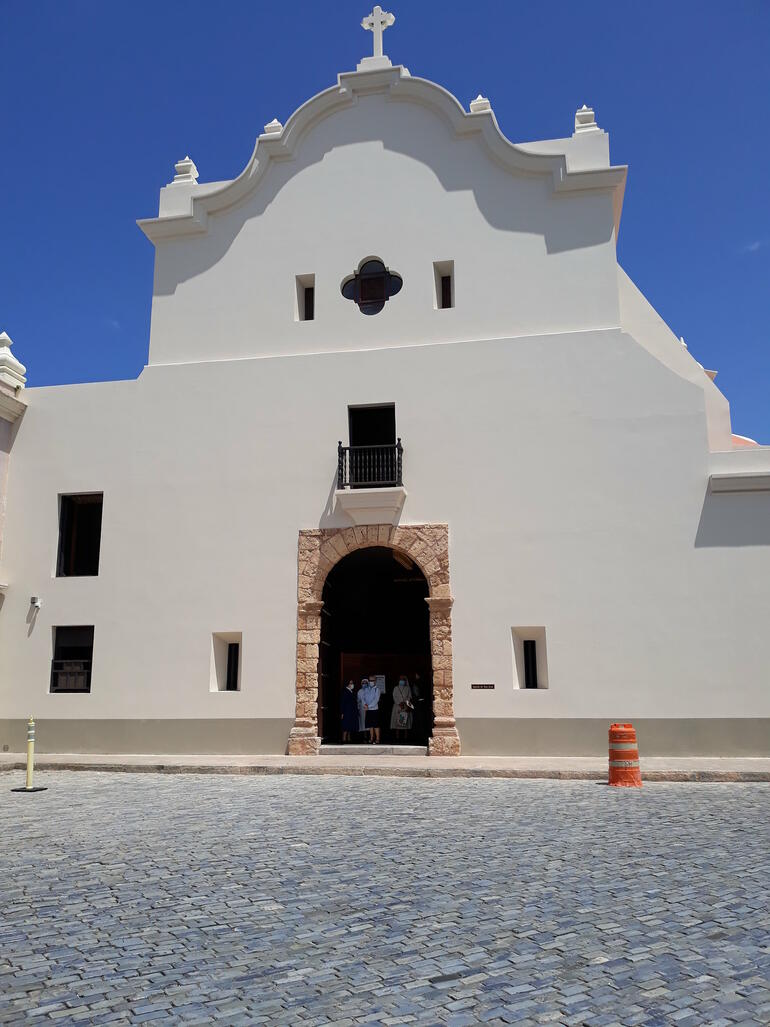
(369, 467)
(71, 675)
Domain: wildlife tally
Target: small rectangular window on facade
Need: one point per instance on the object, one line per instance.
(444, 278)
(304, 309)
(73, 651)
(225, 661)
(80, 534)
(530, 665)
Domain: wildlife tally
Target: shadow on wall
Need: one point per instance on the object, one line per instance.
(327, 519)
(734, 519)
(506, 200)
(31, 619)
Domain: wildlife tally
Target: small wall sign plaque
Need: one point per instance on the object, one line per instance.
(482, 686)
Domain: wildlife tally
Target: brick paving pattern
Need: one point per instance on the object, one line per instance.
(317, 901)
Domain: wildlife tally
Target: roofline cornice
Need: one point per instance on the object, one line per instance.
(400, 87)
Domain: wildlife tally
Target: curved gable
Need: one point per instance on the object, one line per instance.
(399, 87)
(391, 166)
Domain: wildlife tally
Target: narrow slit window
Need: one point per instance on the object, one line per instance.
(304, 306)
(530, 658)
(443, 274)
(80, 535)
(225, 661)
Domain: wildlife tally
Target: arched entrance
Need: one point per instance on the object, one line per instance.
(375, 623)
(320, 550)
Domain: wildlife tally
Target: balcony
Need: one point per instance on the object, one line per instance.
(370, 487)
(369, 467)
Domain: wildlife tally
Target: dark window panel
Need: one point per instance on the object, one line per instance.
(80, 533)
(372, 426)
(446, 291)
(371, 286)
(530, 663)
(233, 657)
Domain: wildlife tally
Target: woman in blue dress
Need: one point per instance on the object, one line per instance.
(348, 711)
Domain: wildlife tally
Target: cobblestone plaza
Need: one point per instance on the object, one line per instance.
(131, 898)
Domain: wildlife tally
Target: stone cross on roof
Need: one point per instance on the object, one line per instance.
(376, 23)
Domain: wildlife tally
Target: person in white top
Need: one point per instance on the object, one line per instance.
(369, 697)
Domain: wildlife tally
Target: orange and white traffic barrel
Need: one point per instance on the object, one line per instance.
(624, 757)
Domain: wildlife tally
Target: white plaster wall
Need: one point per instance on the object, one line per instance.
(390, 180)
(572, 470)
(639, 317)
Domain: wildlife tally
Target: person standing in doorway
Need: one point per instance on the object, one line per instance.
(403, 708)
(361, 710)
(348, 711)
(370, 697)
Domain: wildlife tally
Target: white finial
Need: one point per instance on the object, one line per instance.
(185, 171)
(377, 22)
(11, 369)
(480, 104)
(273, 127)
(585, 120)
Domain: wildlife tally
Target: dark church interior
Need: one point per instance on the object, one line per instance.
(374, 622)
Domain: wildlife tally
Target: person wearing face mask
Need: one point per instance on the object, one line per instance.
(369, 696)
(403, 708)
(348, 711)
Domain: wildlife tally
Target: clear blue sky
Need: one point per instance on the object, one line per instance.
(99, 98)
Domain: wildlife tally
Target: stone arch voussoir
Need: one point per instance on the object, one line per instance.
(319, 550)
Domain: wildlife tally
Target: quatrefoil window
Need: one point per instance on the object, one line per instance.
(371, 286)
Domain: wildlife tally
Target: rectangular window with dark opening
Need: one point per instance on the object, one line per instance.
(233, 655)
(304, 309)
(225, 661)
(530, 663)
(80, 534)
(443, 274)
(73, 650)
(374, 454)
(372, 425)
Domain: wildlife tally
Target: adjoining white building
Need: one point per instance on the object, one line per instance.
(403, 413)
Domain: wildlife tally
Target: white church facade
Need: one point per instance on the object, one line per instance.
(403, 414)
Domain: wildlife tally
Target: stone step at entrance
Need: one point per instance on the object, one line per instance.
(374, 750)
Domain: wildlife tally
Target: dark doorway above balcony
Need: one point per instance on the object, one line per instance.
(372, 425)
